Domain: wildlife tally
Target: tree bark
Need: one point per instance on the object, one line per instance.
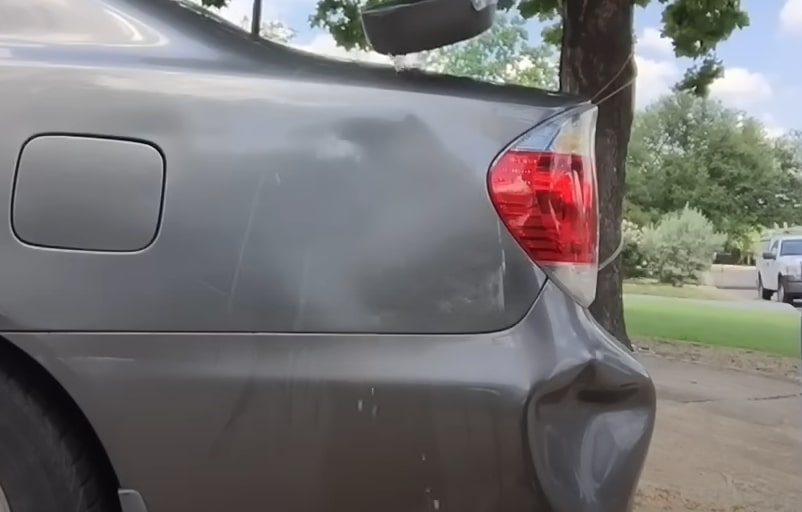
(256, 19)
(596, 61)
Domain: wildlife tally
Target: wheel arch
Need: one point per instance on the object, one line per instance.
(15, 359)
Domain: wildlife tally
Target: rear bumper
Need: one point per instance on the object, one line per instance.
(591, 413)
(551, 415)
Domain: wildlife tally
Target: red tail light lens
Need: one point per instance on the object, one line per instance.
(544, 189)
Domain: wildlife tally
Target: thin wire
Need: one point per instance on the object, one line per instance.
(595, 99)
(611, 258)
(616, 91)
(629, 58)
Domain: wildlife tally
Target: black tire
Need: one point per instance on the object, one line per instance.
(762, 292)
(781, 295)
(44, 465)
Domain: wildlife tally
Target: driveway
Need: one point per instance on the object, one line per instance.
(725, 441)
(739, 281)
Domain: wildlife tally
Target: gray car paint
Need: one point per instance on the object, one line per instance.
(331, 316)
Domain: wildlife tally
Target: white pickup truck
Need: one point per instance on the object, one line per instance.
(779, 268)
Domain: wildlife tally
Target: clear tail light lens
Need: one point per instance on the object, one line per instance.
(544, 189)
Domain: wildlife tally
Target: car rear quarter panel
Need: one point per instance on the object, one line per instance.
(297, 197)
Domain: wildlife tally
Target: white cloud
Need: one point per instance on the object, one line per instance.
(650, 41)
(742, 88)
(655, 78)
(774, 131)
(739, 87)
(236, 10)
(324, 44)
(321, 43)
(791, 16)
(658, 69)
(773, 128)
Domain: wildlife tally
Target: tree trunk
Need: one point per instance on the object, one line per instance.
(595, 62)
(256, 18)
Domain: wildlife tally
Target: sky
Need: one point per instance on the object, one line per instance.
(760, 75)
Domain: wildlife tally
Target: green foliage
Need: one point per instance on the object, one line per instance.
(681, 247)
(502, 54)
(696, 27)
(633, 261)
(741, 248)
(697, 79)
(341, 19)
(781, 230)
(692, 150)
(788, 152)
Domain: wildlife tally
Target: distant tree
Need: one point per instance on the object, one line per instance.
(502, 54)
(788, 148)
(692, 150)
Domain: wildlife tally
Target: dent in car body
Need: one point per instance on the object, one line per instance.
(331, 316)
(550, 415)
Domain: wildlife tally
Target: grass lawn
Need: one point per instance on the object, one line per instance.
(689, 291)
(674, 319)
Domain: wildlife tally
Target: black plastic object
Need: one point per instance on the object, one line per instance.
(400, 27)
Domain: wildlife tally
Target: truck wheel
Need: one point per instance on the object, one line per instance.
(762, 292)
(45, 466)
(781, 295)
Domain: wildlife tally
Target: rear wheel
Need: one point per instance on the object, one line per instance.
(44, 465)
(762, 292)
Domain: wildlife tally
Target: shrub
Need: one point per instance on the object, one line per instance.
(633, 260)
(681, 247)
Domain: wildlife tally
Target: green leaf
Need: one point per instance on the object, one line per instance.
(341, 18)
(502, 54)
(544, 9)
(686, 149)
(698, 78)
(697, 26)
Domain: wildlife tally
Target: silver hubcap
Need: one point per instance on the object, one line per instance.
(780, 294)
(4, 506)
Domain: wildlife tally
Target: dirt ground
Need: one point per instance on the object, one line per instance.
(729, 431)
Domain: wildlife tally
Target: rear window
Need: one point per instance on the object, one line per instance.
(791, 247)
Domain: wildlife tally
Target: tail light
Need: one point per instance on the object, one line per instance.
(544, 189)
